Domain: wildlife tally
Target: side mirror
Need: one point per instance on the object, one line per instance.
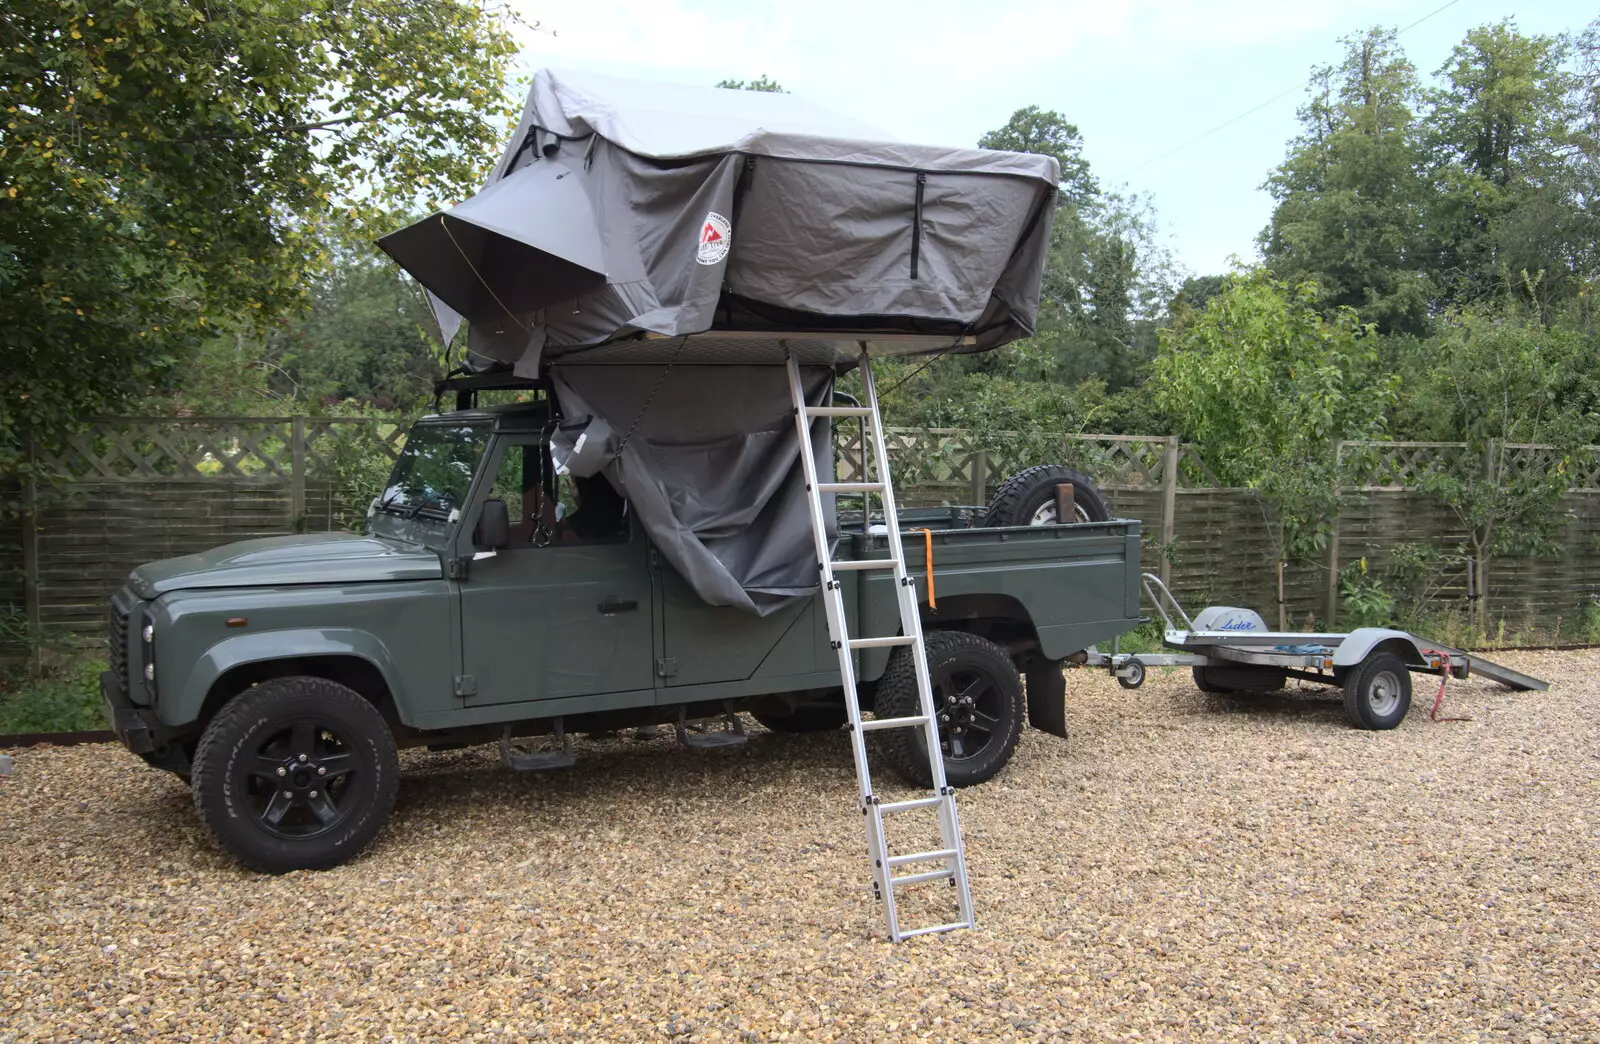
(494, 525)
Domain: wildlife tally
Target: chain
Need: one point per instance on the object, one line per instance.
(652, 396)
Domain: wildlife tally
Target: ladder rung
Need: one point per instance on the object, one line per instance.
(952, 926)
(838, 411)
(922, 857)
(850, 487)
(893, 723)
(863, 563)
(931, 875)
(902, 806)
(879, 643)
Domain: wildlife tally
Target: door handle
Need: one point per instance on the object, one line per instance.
(611, 605)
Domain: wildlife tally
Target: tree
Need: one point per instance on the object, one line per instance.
(763, 85)
(1349, 196)
(1266, 385)
(1045, 132)
(169, 171)
(1512, 172)
(1495, 378)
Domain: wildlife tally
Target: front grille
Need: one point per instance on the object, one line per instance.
(117, 644)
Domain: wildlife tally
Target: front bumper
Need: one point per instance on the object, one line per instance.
(136, 727)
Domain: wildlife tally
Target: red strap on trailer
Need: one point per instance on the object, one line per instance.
(1438, 701)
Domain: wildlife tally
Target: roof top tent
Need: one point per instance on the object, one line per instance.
(688, 269)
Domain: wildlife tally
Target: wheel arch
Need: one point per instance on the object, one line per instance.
(1369, 641)
(354, 659)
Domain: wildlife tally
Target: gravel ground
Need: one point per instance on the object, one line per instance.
(1185, 868)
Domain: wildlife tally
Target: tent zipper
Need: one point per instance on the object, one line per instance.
(916, 224)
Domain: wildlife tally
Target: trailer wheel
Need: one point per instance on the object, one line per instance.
(1028, 498)
(1377, 693)
(1134, 678)
(977, 698)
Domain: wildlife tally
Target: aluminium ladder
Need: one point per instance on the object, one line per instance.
(950, 852)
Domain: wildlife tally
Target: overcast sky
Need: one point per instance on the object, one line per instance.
(1139, 78)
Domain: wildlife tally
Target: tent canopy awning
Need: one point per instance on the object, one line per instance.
(525, 242)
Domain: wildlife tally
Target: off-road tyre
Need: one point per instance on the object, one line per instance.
(322, 820)
(1028, 498)
(809, 718)
(1238, 681)
(959, 665)
(1377, 692)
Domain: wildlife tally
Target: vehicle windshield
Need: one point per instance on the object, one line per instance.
(435, 470)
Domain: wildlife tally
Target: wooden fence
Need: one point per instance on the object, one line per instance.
(132, 490)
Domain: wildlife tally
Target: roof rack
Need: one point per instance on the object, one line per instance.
(467, 386)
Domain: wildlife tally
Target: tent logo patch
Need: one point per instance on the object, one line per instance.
(716, 239)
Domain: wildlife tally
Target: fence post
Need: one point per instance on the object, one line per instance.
(1491, 474)
(297, 473)
(31, 602)
(1330, 608)
(980, 478)
(1169, 504)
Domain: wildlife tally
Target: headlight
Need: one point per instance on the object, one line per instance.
(149, 632)
(150, 672)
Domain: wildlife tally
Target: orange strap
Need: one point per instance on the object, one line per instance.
(927, 546)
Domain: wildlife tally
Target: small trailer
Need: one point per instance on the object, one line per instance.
(1231, 651)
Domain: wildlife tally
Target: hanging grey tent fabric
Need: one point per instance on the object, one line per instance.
(722, 210)
(653, 250)
(713, 479)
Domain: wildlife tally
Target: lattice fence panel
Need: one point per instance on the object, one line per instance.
(1401, 465)
(175, 449)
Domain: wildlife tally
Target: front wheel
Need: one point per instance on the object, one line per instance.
(295, 774)
(977, 701)
(1377, 693)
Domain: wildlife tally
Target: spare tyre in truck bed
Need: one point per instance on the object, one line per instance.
(1028, 498)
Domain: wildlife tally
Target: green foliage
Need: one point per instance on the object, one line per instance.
(1402, 200)
(65, 699)
(1266, 386)
(1349, 195)
(1512, 169)
(763, 85)
(1499, 378)
(169, 171)
(1045, 132)
(1364, 600)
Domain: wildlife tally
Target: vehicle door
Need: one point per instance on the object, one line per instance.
(564, 610)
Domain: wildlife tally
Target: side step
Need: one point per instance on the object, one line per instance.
(530, 761)
(732, 736)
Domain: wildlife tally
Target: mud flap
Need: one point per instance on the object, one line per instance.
(1047, 697)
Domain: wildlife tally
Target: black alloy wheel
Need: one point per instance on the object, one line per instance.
(295, 774)
(977, 701)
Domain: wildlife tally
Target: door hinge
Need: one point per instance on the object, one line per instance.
(456, 568)
(466, 685)
(666, 667)
(655, 558)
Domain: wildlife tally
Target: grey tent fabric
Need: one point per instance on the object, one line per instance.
(634, 229)
(721, 210)
(524, 242)
(711, 470)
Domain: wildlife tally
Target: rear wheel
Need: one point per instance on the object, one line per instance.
(295, 774)
(977, 699)
(1028, 498)
(1377, 694)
